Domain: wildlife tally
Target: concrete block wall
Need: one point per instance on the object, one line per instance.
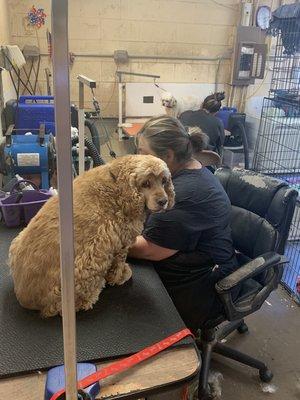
(6, 87)
(186, 28)
(8, 90)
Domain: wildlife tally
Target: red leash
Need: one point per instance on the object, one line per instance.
(128, 362)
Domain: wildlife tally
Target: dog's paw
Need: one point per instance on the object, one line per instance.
(50, 312)
(127, 274)
(86, 306)
(119, 275)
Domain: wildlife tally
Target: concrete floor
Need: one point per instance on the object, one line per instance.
(107, 128)
(274, 338)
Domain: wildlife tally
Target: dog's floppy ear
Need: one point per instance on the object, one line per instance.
(174, 101)
(133, 180)
(135, 195)
(115, 168)
(169, 188)
(122, 172)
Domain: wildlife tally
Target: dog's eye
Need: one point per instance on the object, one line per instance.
(146, 184)
(164, 180)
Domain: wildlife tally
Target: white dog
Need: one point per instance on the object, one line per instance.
(175, 107)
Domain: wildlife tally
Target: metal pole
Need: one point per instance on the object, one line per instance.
(120, 73)
(83, 80)
(65, 185)
(81, 128)
(152, 57)
(1, 102)
(120, 130)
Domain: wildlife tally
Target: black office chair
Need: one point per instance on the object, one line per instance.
(237, 142)
(262, 210)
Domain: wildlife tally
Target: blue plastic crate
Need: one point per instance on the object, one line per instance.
(224, 115)
(34, 110)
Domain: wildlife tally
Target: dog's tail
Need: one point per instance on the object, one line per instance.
(199, 139)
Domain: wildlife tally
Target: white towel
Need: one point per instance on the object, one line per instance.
(15, 56)
(4, 63)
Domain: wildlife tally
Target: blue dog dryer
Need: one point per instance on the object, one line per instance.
(30, 154)
(32, 111)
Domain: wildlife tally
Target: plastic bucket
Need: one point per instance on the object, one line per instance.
(19, 208)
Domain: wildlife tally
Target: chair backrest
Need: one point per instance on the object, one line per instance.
(262, 210)
(208, 158)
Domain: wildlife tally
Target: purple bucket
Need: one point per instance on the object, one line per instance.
(19, 208)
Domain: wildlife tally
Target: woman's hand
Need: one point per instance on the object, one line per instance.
(146, 250)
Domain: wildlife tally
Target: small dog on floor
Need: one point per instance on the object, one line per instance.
(175, 107)
(110, 206)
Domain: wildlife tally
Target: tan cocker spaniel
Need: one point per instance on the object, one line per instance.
(110, 206)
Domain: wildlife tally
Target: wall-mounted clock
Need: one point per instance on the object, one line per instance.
(263, 17)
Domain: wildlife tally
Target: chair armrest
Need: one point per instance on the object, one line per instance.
(238, 308)
(252, 268)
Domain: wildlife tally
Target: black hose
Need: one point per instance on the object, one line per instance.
(90, 150)
(245, 143)
(94, 133)
(94, 153)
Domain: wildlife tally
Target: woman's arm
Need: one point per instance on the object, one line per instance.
(146, 250)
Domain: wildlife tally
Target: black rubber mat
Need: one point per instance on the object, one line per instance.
(125, 320)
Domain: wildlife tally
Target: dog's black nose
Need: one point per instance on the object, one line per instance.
(162, 202)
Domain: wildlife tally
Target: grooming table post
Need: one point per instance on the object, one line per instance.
(1, 101)
(81, 129)
(83, 80)
(65, 186)
(120, 131)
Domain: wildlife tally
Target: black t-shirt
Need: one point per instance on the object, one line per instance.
(197, 226)
(209, 124)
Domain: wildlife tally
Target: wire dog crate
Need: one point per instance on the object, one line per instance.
(277, 149)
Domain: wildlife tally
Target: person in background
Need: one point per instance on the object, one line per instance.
(189, 245)
(206, 120)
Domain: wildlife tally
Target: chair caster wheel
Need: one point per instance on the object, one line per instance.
(203, 394)
(243, 328)
(206, 396)
(265, 375)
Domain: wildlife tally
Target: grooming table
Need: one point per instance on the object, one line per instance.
(164, 372)
(133, 130)
(124, 320)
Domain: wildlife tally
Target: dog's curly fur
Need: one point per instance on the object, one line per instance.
(110, 205)
(174, 107)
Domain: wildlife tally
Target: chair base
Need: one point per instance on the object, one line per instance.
(243, 328)
(210, 343)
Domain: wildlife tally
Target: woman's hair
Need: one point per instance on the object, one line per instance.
(213, 103)
(163, 133)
